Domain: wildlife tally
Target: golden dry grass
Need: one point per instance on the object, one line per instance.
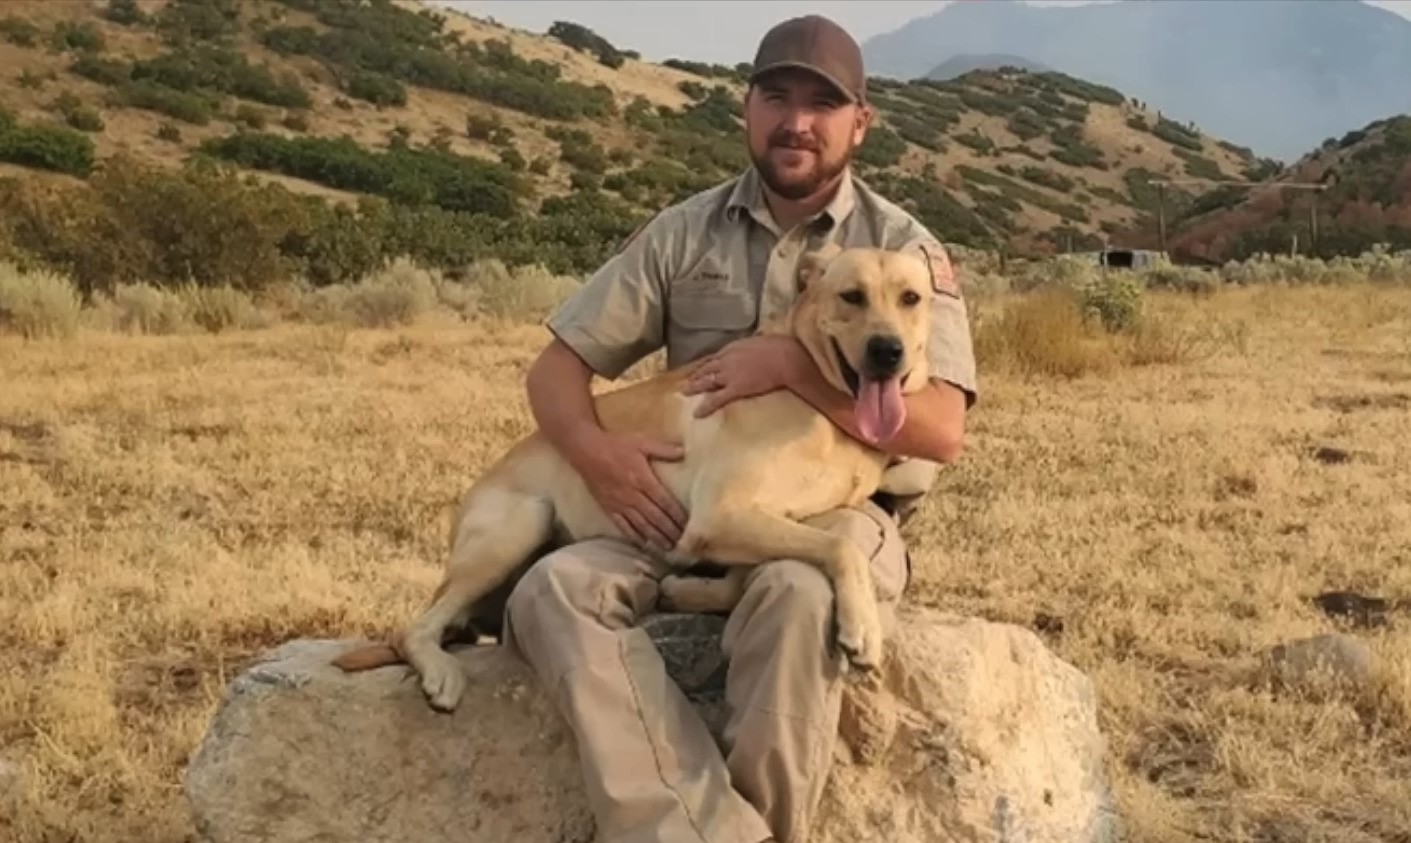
(171, 506)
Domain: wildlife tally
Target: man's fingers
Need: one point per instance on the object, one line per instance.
(660, 523)
(658, 450)
(713, 402)
(625, 526)
(665, 501)
(647, 530)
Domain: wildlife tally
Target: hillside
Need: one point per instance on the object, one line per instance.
(959, 65)
(1277, 76)
(478, 140)
(1367, 200)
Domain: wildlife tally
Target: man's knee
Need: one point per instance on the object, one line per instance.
(878, 536)
(863, 528)
(786, 603)
(594, 580)
(559, 579)
(792, 587)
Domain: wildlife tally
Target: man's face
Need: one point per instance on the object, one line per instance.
(802, 131)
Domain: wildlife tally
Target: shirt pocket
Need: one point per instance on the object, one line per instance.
(702, 321)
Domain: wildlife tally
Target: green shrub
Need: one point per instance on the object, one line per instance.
(20, 32)
(1113, 297)
(1176, 134)
(183, 21)
(77, 115)
(1025, 124)
(376, 88)
(219, 70)
(413, 49)
(125, 13)
(47, 146)
(585, 40)
(194, 108)
(578, 150)
(81, 36)
(295, 122)
(104, 71)
(412, 176)
(882, 147)
(1198, 165)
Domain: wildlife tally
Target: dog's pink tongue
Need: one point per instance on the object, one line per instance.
(880, 409)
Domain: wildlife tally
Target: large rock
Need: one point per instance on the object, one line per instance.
(973, 731)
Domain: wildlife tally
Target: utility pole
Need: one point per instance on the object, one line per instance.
(1161, 185)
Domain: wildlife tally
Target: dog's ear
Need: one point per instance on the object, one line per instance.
(813, 264)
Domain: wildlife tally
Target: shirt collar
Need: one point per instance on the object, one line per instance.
(747, 197)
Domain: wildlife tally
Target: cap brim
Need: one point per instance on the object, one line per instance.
(801, 65)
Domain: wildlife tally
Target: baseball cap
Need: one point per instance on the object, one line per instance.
(816, 44)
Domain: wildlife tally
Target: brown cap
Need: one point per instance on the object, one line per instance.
(817, 44)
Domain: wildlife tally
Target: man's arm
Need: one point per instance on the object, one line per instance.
(561, 400)
(609, 324)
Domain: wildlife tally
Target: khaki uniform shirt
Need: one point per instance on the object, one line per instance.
(707, 271)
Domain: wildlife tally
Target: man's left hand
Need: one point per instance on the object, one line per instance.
(745, 368)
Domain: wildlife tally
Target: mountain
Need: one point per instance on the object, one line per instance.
(1278, 76)
(449, 138)
(960, 65)
(1367, 200)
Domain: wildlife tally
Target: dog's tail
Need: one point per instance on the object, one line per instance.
(368, 657)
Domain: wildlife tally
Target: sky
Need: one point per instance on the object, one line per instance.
(723, 31)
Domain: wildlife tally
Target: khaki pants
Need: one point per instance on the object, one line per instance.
(652, 771)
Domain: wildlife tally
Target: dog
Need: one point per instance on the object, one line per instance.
(751, 473)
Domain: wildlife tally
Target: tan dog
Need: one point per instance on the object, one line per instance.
(751, 472)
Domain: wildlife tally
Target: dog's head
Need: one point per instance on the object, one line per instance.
(863, 315)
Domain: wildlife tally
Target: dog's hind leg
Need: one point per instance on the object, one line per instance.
(497, 533)
(707, 595)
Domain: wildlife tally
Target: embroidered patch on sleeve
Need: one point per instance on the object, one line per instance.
(942, 274)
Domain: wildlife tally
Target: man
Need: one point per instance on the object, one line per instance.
(696, 279)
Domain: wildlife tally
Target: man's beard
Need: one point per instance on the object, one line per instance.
(823, 172)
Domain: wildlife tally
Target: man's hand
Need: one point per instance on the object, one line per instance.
(618, 473)
(745, 368)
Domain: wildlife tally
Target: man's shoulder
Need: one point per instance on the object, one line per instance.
(894, 226)
(702, 208)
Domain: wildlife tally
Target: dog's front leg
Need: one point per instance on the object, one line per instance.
(754, 536)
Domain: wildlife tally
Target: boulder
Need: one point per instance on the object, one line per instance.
(972, 731)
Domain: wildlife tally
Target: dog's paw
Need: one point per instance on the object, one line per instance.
(671, 589)
(859, 633)
(443, 682)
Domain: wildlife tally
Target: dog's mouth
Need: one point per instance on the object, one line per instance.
(878, 404)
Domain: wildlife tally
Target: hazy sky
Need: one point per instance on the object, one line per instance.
(724, 31)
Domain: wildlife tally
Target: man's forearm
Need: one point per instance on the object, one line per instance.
(935, 417)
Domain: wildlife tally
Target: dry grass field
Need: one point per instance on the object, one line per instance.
(1158, 506)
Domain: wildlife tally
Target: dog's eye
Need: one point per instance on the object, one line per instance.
(910, 298)
(853, 297)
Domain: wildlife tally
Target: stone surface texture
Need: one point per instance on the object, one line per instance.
(972, 731)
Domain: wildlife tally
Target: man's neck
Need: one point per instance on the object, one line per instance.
(788, 213)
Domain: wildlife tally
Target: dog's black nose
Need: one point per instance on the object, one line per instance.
(884, 354)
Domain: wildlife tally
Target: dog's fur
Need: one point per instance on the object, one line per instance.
(752, 471)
